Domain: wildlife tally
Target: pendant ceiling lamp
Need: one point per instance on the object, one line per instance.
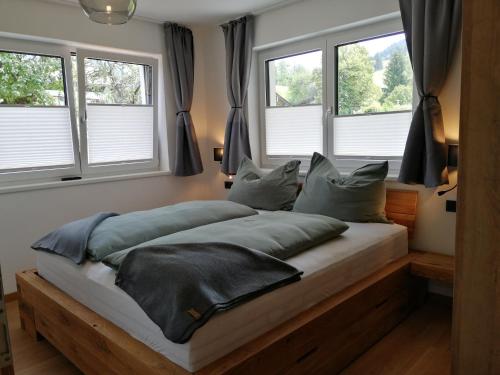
(110, 12)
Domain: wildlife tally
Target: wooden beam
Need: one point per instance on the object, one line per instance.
(401, 207)
(327, 337)
(92, 343)
(323, 339)
(476, 319)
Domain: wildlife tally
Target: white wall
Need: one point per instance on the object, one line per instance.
(26, 216)
(311, 16)
(435, 228)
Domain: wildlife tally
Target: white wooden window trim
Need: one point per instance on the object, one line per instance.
(40, 48)
(136, 166)
(347, 164)
(310, 45)
(327, 44)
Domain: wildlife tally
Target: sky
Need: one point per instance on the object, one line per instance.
(313, 60)
(379, 44)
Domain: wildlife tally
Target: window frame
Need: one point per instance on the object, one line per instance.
(50, 50)
(328, 43)
(346, 164)
(123, 166)
(292, 49)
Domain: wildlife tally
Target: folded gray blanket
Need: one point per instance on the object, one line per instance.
(181, 286)
(71, 239)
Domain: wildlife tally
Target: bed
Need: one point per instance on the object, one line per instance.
(354, 290)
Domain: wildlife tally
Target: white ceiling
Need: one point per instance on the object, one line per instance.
(198, 11)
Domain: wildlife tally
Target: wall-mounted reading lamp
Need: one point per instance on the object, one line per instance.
(452, 164)
(218, 154)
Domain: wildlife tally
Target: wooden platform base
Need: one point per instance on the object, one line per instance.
(323, 339)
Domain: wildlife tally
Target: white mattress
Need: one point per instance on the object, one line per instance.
(328, 268)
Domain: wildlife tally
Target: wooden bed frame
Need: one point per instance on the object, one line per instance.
(324, 339)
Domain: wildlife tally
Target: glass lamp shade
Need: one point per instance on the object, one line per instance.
(110, 12)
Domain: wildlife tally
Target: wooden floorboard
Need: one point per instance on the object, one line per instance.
(419, 346)
(32, 357)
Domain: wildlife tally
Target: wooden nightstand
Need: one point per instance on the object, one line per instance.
(6, 366)
(433, 266)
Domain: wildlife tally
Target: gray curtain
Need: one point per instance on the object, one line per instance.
(180, 53)
(238, 36)
(432, 28)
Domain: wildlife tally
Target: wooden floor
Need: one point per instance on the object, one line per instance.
(419, 346)
(34, 358)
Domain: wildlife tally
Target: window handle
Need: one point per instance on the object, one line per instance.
(328, 113)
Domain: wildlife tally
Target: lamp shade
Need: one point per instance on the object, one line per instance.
(110, 12)
(453, 156)
(218, 153)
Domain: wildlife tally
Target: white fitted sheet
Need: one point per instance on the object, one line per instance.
(328, 268)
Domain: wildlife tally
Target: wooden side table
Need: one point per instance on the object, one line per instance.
(433, 266)
(6, 365)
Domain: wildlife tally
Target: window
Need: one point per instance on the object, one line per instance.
(294, 109)
(117, 112)
(374, 98)
(348, 95)
(116, 103)
(36, 127)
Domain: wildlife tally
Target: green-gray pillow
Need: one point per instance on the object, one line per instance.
(359, 197)
(273, 191)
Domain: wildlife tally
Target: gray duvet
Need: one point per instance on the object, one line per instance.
(121, 232)
(279, 234)
(104, 233)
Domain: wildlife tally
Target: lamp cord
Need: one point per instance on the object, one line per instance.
(442, 192)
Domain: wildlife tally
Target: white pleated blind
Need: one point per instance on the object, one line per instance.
(294, 131)
(35, 138)
(371, 135)
(119, 133)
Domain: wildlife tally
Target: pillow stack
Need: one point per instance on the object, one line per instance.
(359, 197)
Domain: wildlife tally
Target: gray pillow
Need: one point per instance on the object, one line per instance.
(274, 191)
(359, 197)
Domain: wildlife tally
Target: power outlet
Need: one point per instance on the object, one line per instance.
(451, 206)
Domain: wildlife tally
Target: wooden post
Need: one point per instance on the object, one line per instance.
(6, 367)
(476, 316)
(26, 314)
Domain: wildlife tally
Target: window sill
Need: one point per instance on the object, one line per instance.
(83, 181)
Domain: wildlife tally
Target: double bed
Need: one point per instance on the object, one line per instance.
(354, 289)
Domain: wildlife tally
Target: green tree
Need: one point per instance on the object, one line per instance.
(317, 79)
(27, 79)
(356, 89)
(109, 82)
(399, 99)
(397, 73)
(378, 62)
(303, 86)
(283, 69)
